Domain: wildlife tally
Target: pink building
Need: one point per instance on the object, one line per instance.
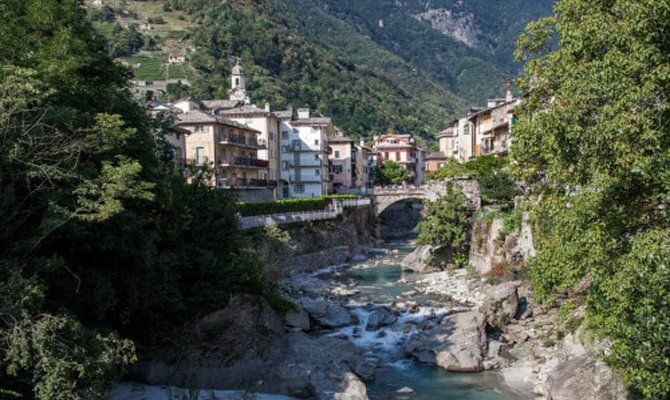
(343, 158)
(401, 149)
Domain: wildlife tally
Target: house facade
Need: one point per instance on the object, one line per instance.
(434, 161)
(399, 148)
(228, 153)
(483, 131)
(304, 153)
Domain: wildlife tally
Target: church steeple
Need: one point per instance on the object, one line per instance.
(237, 83)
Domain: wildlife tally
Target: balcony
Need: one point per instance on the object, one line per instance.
(239, 183)
(245, 162)
(241, 141)
(307, 164)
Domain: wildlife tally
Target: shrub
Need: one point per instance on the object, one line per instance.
(447, 222)
(288, 205)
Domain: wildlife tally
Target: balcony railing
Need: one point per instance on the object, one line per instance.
(241, 140)
(238, 183)
(245, 162)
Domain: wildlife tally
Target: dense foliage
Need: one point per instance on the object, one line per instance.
(101, 242)
(473, 73)
(289, 205)
(594, 140)
(389, 173)
(446, 223)
(491, 172)
(286, 64)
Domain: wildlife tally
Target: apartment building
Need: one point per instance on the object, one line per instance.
(304, 151)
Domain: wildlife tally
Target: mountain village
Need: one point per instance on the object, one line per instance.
(264, 155)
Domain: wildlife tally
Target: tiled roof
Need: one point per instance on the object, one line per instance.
(220, 104)
(447, 132)
(340, 139)
(199, 117)
(438, 155)
(245, 109)
(283, 114)
(313, 121)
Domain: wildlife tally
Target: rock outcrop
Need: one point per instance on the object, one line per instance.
(501, 304)
(379, 318)
(325, 313)
(456, 344)
(244, 346)
(584, 378)
(418, 260)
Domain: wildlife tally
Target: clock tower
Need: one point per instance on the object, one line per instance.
(237, 84)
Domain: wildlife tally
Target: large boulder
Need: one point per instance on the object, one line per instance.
(326, 313)
(380, 317)
(425, 258)
(585, 378)
(456, 344)
(501, 304)
(298, 319)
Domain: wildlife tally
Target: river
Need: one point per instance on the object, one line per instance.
(364, 287)
(380, 282)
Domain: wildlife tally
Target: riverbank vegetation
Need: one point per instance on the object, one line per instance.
(593, 140)
(103, 248)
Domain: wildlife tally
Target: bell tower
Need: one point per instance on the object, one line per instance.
(237, 83)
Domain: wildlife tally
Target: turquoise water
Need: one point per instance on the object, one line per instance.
(380, 285)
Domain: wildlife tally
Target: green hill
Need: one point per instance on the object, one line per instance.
(373, 66)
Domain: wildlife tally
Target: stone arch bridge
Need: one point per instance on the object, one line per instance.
(384, 198)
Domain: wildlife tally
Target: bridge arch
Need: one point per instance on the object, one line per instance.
(400, 216)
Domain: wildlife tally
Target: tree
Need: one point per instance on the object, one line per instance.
(593, 139)
(446, 222)
(390, 172)
(102, 244)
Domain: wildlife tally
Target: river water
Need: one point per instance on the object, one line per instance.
(379, 283)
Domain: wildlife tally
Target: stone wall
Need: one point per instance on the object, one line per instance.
(317, 245)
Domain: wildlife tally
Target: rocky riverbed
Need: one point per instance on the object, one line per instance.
(371, 330)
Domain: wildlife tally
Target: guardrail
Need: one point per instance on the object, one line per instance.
(303, 216)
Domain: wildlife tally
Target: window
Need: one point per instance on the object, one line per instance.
(284, 135)
(284, 165)
(316, 142)
(466, 129)
(285, 149)
(200, 156)
(299, 188)
(200, 128)
(397, 156)
(337, 154)
(237, 81)
(317, 172)
(316, 157)
(296, 144)
(337, 169)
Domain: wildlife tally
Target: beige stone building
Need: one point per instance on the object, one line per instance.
(227, 149)
(483, 131)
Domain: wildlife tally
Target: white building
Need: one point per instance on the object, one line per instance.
(304, 150)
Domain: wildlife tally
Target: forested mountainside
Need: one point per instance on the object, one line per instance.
(467, 46)
(373, 66)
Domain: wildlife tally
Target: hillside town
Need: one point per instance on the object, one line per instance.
(264, 155)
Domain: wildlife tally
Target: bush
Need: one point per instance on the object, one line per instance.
(447, 223)
(288, 205)
(632, 308)
(156, 20)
